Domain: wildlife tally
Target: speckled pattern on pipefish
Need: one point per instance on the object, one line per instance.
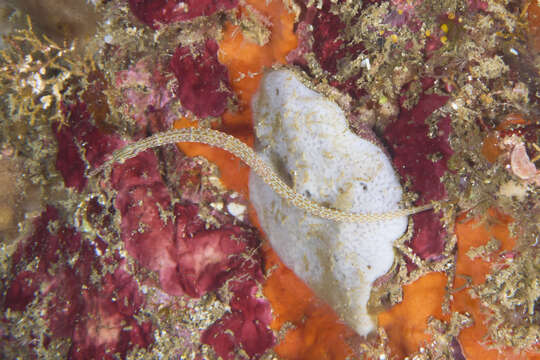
(247, 155)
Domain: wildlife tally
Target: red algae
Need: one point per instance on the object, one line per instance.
(203, 83)
(412, 149)
(76, 307)
(327, 45)
(79, 141)
(245, 326)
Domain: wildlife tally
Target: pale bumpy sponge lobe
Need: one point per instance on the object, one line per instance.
(306, 140)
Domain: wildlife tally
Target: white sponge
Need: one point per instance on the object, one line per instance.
(306, 140)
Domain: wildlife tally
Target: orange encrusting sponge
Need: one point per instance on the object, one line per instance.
(471, 234)
(406, 323)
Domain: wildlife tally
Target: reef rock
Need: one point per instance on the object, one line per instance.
(306, 139)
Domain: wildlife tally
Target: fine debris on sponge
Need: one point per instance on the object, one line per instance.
(306, 139)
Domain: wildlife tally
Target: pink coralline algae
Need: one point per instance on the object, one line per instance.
(192, 258)
(203, 82)
(97, 315)
(423, 159)
(111, 313)
(155, 12)
(207, 258)
(146, 96)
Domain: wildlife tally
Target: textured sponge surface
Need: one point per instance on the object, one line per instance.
(305, 138)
